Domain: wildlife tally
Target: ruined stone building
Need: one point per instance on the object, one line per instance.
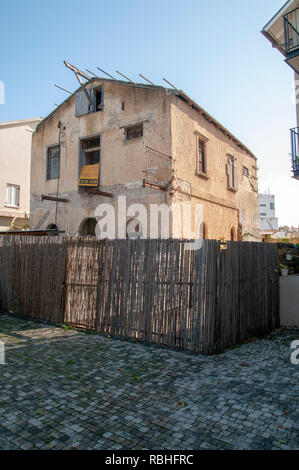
(153, 145)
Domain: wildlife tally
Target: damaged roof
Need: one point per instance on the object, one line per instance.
(179, 93)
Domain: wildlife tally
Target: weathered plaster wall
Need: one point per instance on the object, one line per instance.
(122, 162)
(223, 209)
(170, 126)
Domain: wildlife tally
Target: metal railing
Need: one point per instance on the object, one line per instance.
(159, 166)
(291, 28)
(295, 150)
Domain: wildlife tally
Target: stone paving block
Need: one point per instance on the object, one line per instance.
(64, 389)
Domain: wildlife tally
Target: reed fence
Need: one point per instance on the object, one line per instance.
(145, 290)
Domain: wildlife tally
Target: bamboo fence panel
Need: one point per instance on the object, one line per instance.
(151, 291)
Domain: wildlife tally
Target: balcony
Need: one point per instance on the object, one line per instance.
(295, 151)
(291, 31)
(159, 168)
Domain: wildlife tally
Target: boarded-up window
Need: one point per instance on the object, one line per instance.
(53, 163)
(201, 157)
(133, 132)
(232, 177)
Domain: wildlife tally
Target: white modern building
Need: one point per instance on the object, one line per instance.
(15, 161)
(268, 223)
(283, 33)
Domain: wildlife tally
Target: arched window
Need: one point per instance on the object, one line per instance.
(88, 227)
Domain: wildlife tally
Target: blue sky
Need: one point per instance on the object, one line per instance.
(212, 50)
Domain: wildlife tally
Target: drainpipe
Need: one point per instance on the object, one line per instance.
(61, 129)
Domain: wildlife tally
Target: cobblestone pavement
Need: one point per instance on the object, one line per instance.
(63, 389)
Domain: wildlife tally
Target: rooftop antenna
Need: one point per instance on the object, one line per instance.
(129, 80)
(146, 79)
(55, 104)
(60, 87)
(108, 74)
(172, 86)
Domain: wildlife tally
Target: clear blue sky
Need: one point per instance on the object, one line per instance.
(212, 50)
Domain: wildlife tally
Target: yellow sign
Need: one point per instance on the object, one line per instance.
(89, 175)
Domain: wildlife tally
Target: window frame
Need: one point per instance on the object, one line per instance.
(82, 161)
(48, 172)
(232, 163)
(201, 157)
(15, 186)
(83, 106)
(134, 126)
(202, 170)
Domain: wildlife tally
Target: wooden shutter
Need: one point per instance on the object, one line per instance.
(82, 103)
(201, 164)
(229, 172)
(232, 175)
(235, 174)
(8, 195)
(15, 196)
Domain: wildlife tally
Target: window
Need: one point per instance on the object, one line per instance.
(89, 100)
(263, 205)
(91, 150)
(134, 132)
(12, 195)
(99, 99)
(272, 206)
(245, 171)
(53, 164)
(232, 176)
(263, 214)
(201, 157)
(89, 158)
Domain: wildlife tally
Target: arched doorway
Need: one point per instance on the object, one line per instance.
(53, 227)
(88, 227)
(134, 229)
